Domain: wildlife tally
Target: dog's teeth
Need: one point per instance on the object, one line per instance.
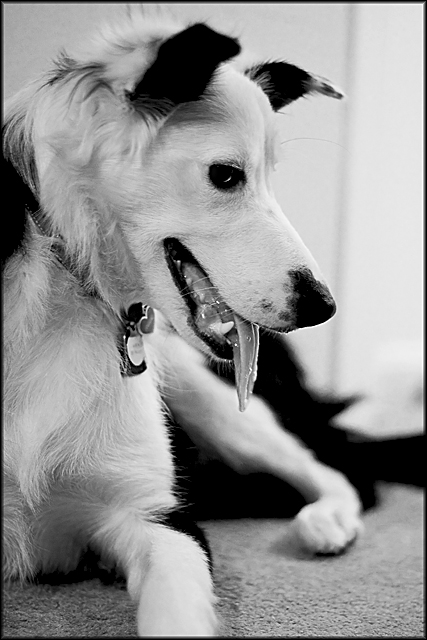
(213, 315)
(178, 263)
(226, 327)
(219, 327)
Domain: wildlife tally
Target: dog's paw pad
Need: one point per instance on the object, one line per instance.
(327, 527)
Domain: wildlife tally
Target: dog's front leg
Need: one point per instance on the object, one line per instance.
(176, 598)
(167, 575)
(254, 441)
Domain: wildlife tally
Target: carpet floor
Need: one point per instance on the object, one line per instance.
(267, 586)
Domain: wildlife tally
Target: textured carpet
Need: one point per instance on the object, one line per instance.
(267, 586)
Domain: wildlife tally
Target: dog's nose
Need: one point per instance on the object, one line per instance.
(314, 302)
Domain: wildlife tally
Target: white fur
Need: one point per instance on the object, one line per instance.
(87, 457)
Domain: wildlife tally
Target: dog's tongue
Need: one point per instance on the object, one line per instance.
(215, 319)
(245, 353)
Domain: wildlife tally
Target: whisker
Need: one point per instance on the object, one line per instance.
(185, 293)
(316, 140)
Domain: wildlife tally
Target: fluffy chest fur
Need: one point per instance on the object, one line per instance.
(67, 387)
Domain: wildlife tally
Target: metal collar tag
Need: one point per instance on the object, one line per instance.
(138, 320)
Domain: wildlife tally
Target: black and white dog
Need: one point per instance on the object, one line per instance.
(144, 233)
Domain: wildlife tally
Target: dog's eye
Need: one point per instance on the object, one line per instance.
(225, 176)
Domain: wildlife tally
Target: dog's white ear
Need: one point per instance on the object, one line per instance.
(283, 83)
(183, 68)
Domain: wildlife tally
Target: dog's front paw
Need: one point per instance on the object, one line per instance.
(328, 525)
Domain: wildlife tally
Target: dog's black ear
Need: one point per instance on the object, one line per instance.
(283, 83)
(183, 68)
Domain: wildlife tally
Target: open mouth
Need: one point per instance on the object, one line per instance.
(226, 333)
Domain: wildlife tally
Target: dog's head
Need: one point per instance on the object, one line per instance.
(154, 160)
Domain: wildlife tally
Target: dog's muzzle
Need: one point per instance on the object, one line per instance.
(226, 332)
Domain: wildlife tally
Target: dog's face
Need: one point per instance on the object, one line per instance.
(219, 242)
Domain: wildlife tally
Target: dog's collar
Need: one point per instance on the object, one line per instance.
(58, 247)
(134, 323)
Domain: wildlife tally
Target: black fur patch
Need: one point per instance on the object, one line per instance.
(17, 197)
(281, 82)
(89, 567)
(181, 521)
(17, 161)
(184, 66)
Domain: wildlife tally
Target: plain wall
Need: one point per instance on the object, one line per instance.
(381, 278)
